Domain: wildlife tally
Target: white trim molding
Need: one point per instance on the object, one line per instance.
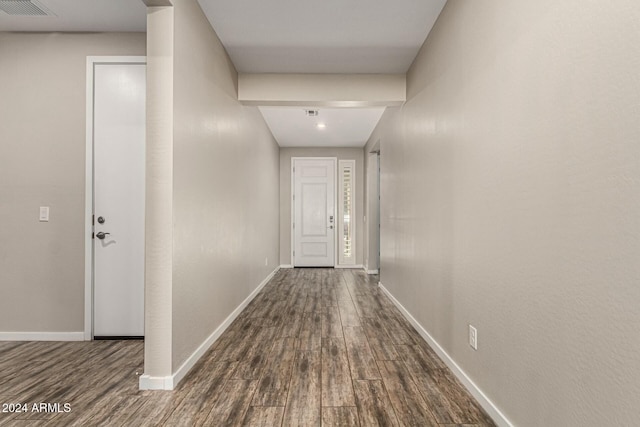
(370, 271)
(352, 266)
(498, 417)
(42, 336)
(147, 382)
(286, 266)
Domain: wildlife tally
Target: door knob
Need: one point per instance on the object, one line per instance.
(101, 235)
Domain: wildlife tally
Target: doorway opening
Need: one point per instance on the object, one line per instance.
(373, 211)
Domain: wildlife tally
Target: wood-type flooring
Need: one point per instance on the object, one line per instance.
(315, 347)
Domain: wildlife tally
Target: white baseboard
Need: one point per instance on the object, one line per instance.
(147, 382)
(358, 266)
(369, 271)
(498, 417)
(41, 336)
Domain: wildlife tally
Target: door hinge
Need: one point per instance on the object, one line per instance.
(294, 197)
(294, 253)
(93, 220)
(294, 225)
(294, 169)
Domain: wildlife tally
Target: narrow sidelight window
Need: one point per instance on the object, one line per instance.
(346, 214)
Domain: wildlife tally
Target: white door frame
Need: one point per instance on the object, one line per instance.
(293, 213)
(92, 61)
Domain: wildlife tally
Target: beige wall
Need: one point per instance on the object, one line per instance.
(42, 163)
(285, 193)
(158, 196)
(336, 90)
(225, 188)
(511, 201)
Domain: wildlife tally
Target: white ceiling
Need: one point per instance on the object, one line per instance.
(82, 15)
(322, 36)
(282, 36)
(345, 127)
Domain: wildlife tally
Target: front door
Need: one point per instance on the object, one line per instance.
(118, 203)
(314, 212)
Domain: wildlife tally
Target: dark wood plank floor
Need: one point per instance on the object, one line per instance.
(315, 347)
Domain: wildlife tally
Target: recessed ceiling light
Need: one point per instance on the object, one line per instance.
(321, 125)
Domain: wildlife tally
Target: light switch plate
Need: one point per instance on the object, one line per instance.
(44, 213)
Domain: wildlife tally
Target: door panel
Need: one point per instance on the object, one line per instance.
(314, 212)
(119, 182)
(315, 249)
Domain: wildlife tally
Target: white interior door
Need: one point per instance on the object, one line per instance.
(314, 212)
(118, 199)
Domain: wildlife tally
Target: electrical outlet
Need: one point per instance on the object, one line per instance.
(473, 337)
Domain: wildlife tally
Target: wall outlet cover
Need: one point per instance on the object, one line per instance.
(473, 337)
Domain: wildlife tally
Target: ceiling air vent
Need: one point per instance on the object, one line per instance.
(24, 8)
(311, 113)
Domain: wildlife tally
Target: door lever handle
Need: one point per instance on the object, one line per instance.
(101, 235)
(331, 227)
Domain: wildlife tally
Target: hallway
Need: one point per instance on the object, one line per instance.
(315, 345)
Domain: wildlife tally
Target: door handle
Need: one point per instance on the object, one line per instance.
(101, 235)
(331, 227)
